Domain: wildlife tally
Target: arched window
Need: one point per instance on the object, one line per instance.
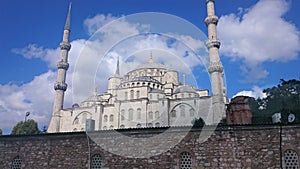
(75, 129)
(76, 120)
(105, 118)
(122, 126)
(185, 161)
(192, 112)
(157, 124)
(182, 110)
(130, 114)
(104, 127)
(138, 125)
(291, 159)
(16, 163)
(156, 114)
(173, 113)
(126, 95)
(131, 94)
(150, 115)
(111, 118)
(111, 127)
(96, 162)
(137, 94)
(150, 125)
(138, 113)
(122, 115)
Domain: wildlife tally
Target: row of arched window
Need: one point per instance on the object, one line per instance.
(182, 112)
(111, 118)
(138, 116)
(157, 124)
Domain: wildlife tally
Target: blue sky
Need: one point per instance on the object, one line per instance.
(260, 45)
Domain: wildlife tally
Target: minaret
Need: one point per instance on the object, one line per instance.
(60, 85)
(215, 67)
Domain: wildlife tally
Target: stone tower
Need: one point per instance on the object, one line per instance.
(60, 85)
(215, 67)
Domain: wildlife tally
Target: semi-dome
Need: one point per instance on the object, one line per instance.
(185, 89)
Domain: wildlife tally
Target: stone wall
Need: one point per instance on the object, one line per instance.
(226, 147)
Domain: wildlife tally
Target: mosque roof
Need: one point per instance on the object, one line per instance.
(185, 89)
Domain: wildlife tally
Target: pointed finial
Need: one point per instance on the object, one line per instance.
(118, 67)
(67, 25)
(183, 80)
(150, 59)
(95, 90)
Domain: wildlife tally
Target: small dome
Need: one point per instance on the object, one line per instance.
(185, 89)
(75, 105)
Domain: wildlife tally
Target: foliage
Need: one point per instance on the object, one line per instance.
(198, 122)
(27, 127)
(0, 132)
(283, 98)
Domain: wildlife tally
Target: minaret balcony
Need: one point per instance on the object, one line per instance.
(65, 46)
(215, 67)
(212, 19)
(62, 65)
(60, 86)
(213, 43)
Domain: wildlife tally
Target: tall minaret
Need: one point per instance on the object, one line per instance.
(215, 67)
(60, 85)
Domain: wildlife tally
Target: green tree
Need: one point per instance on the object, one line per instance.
(198, 123)
(27, 127)
(0, 132)
(283, 98)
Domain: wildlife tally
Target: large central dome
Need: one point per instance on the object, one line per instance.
(151, 65)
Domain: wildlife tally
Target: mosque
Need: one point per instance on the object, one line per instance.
(148, 96)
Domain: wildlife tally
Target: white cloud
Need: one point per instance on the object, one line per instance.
(94, 23)
(256, 92)
(259, 35)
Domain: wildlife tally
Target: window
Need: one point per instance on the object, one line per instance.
(126, 95)
(111, 118)
(156, 114)
(138, 113)
(131, 94)
(185, 161)
(105, 118)
(192, 112)
(76, 120)
(96, 162)
(173, 113)
(17, 163)
(122, 126)
(122, 115)
(137, 94)
(182, 110)
(157, 124)
(111, 127)
(104, 127)
(150, 115)
(138, 125)
(130, 114)
(150, 125)
(291, 160)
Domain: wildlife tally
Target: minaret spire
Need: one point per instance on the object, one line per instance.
(150, 58)
(60, 85)
(68, 20)
(118, 67)
(215, 67)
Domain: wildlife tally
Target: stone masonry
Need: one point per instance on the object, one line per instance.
(228, 147)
